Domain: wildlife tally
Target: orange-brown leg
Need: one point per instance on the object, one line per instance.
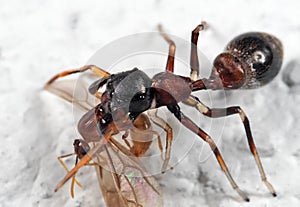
(139, 148)
(74, 180)
(167, 128)
(66, 92)
(141, 135)
(222, 112)
(172, 49)
(124, 137)
(84, 160)
(98, 71)
(194, 61)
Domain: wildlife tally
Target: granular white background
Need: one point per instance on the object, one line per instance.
(40, 38)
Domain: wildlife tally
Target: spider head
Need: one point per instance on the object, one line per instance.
(127, 92)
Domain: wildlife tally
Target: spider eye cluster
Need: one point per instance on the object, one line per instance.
(129, 92)
(140, 102)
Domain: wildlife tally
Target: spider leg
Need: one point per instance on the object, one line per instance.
(194, 61)
(188, 123)
(172, 49)
(98, 71)
(167, 128)
(141, 135)
(124, 138)
(65, 88)
(139, 148)
(221, 112)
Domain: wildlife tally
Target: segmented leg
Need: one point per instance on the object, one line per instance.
(140, 150)
(172, 49)
(221, 112)
(194, 61)
(194, 128)
(141, 135)
(164, 125)
(84, 160)
(98, 71)
(74, 180)
(65, 89)
(124, 137)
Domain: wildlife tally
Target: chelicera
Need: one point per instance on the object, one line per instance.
(249, 61)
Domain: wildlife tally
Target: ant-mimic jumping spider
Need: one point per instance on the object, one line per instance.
(250, 60)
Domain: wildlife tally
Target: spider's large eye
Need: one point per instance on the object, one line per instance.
(140, 102)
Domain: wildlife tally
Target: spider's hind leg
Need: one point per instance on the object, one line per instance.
(188, 123)
(222, 112)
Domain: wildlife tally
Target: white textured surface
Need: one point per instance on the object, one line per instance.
(39, 39)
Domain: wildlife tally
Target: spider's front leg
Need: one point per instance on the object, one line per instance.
(96, 70)
(68, 94)
(194, 61)
(172, 49)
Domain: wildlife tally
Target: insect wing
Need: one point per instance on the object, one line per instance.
(124, 181)
(74, 91)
